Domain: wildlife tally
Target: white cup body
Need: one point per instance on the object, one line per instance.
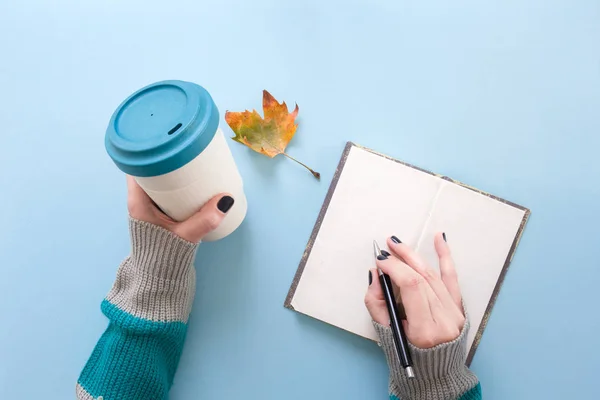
(182, 192)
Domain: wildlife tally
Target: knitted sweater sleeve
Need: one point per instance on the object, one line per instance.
(440, 372)
(147, 309)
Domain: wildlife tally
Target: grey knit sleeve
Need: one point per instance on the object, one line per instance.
(147, 310)
(440, 372)
(158, 280)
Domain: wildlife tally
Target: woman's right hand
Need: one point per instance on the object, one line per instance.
(431, 299)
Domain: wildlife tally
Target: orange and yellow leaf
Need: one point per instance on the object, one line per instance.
(269, 135)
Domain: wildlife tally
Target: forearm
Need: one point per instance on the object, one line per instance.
(440, 371)
(148, 308)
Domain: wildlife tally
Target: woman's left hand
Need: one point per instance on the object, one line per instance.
(193, 229)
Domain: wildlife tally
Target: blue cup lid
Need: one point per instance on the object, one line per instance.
(161, 127)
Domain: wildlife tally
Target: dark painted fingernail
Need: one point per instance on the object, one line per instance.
(444, 236)
(370, 278)
(385, 253)
(381, 257)
(396, 240)
(225, 204)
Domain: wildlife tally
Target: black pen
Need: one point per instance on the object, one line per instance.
(400, 341)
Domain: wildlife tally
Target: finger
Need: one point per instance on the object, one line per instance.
(141, 206)
(447, 269)
(412, 288)
(206, 220)
(409, 256)
(374, 300)
(374, 288)
(134, 190)
(416, 262)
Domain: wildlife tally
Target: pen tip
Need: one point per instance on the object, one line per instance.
(376, 249)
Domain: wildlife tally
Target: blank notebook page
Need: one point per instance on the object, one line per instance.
(376, 197)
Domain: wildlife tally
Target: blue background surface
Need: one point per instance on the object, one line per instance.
(502, 95)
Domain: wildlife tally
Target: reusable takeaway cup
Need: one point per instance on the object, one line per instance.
(167, 136)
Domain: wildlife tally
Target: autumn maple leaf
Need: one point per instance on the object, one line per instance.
(269, 135)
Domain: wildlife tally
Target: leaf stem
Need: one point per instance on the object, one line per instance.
(315, 173)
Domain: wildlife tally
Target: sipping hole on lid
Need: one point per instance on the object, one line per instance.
(174, 129)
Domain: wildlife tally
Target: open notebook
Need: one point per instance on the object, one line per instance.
(373, 196)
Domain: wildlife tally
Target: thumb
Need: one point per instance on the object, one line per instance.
(206, 220)
(374, 300)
